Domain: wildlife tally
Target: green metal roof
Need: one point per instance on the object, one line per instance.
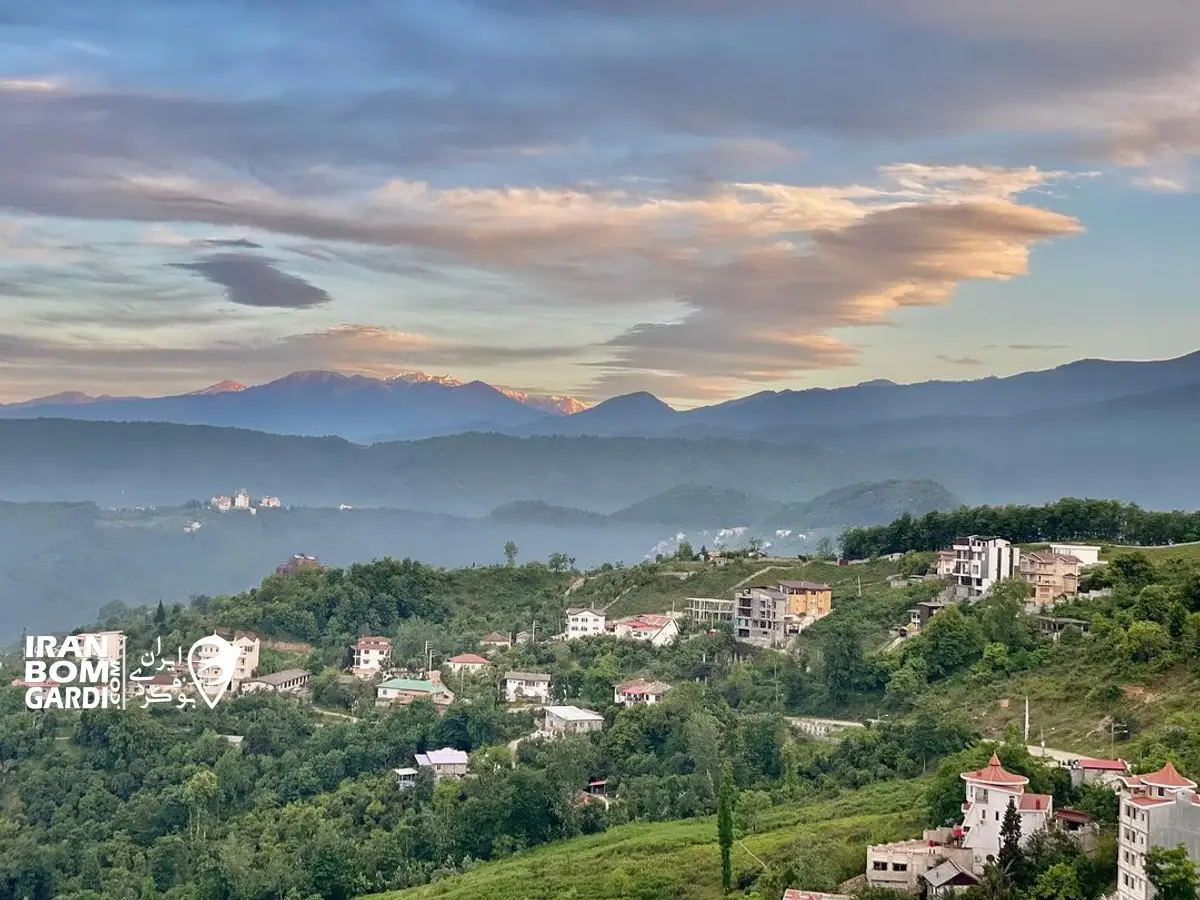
(412, 684)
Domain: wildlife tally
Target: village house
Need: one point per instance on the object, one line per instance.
(807, 599)
(1086, 554)
(1053, 576)
(584, 622)
(639, 691)
(947, 879)
(1101, 772)
(248, 644)
(242, 500)
(403, 691)
(710, 610)
(493, 642)
(444, 763)
(289, 681)
(372, 655)
(901, 865)
(571, 720)
(979, 562)
(526, 686)
(270, 503)
(297, 562)
(523, 637)
(221, 503)
(467, 664)
(1053, 628)
(406, 777)
(1161, 809)
(658, 631)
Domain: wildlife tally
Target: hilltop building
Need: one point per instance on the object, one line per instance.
(1054, 576)
(639, 691)
(978, 563)
(403, 691)
(297, 562)
(289, 681)
(658, 631)
(571, 720)
(710, 610)
(533, 686)
(270, 503)
(467, 664)
(494, 641)
(444, 763)
(1086, 554)
(371, 656)
(584, 622)
(1161, 809)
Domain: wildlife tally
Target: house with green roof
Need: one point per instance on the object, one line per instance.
(403, 691)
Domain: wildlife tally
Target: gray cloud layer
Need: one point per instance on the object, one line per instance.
(252, 281)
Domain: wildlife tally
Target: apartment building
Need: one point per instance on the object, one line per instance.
(582, 622)
(761, 614)
(1161, 809)
(809, 599)
(371, 656)
(710, 610)
(1053, 576)
(979, 562)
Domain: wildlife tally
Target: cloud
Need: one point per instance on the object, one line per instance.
(238, 243)
(961, 360)
(1026, 347)
(144, 366)
(253, 281)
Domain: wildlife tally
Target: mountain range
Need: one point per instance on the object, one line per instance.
(416, 405)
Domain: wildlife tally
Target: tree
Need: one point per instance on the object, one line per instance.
(995, 883)
(725, 804)
(1172, 873)
(1011, 859)
(199, 793)
(750, 807)
(1059, 882)
(510, 552)
(559, 562)
(825, 547)
(755, 546)
(160, 616)
(685, 552)
(841, 650)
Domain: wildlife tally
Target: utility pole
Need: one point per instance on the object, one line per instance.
(860, 585)
(428, 657)
(1027, 721)
(533, 633)
(1113, 742)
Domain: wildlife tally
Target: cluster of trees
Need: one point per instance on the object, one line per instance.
(1069, 519)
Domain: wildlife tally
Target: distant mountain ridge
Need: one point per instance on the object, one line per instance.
(418, 405)
(317, 403)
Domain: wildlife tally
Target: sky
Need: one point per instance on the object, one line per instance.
(698, 198)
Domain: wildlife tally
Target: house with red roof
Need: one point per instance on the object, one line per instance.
(990, 790)
(1104, 772)
(1159, 809)
(467, 664)
(656, 630)
(639, 691)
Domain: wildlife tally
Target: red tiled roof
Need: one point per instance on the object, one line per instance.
(1073, 815)
(994, 773)
(1104, 765)
(495, 638)
(469, 658)
(1031, 802)
(1149, 801)
(365, 642)
(1168, 776)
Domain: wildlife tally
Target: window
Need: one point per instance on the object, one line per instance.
(879, 866)
(899, 867)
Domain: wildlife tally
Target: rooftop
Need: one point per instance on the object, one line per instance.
(1168, 777)
(641, 686)
(283, 677)
(1033, 802)
(947, 872)
(495, 637)
(805, 586)
(471, 659)
(1104, 765)
(447, 756)
(573, 714)
(526, 676)
(411, 684)
(580, 610)
(995, 774)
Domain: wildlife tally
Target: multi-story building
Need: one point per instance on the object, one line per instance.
(1052, 575)
(242, 500)
(583, 622)
(270, 503)
(526, 686)
(900, 865)
(1086, 554)
(1161, 809)
(221, 503)
(371, 656)
(248, 644)
(444, 763)
(979, 562)
(807, 599)
(297, 562)
(989, 792)
(761, 614)
(710, 610)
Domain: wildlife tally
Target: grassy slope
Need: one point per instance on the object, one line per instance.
(680, 859)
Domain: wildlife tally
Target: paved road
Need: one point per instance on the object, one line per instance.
(1056, 755)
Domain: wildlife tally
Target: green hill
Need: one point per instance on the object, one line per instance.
(825, 840)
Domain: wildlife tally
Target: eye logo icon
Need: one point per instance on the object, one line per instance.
(212, 661)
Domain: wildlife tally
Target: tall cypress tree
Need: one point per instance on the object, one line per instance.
(1012, 858)
(725, 802)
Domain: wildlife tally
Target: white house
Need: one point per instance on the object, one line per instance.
(406, 777)
(1161, 809)
(289, 681)
(242, 500)
(1087, 555)
(901, 865)
(371, 656)
(526, 686)
(571, 720)
(248, 645)
(658, 631)
(989, 792)
(979, 562)
(583, 622)
(639, 691)
(467, 664)
(444, 763)
(494, 641)
(221, 503)
(270, 503)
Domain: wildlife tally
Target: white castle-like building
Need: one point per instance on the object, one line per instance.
(990, 790)
(1161, 809)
